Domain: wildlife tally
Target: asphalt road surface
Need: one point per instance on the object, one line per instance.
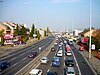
(19, 59)
(60, 69)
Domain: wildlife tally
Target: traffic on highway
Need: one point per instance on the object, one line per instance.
(57, 56)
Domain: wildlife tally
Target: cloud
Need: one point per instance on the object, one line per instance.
(65, 1)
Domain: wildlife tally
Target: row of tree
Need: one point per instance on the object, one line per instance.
(23, 32)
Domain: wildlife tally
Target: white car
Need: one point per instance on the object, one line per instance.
(68, 53)
(35, 72)
(70, 71)
(44, 60)
(60, 53)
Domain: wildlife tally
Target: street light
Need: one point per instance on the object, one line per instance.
(90, 29)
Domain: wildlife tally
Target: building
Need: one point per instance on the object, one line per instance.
(41, 32)
(87, 33)
(9, 29)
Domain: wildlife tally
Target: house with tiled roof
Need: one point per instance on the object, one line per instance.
(86, 32)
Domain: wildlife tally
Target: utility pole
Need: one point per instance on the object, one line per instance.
(90, 30)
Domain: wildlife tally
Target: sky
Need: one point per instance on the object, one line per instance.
(58, 15)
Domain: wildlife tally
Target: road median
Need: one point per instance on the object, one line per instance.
(33, 64)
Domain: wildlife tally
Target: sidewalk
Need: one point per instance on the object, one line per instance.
(5, 50)
(93, 62)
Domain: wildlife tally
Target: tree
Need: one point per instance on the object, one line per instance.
(38, 35)
(17, 32)
(32, 31)
(45, 33)
(1, 36)
(24, 31)
(48, 31)
(96, 38)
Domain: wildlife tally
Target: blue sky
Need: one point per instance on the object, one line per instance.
(56, 14)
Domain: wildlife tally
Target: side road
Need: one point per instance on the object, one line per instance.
(4, 50)
(94, 63)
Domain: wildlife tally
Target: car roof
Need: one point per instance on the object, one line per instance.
(34, 71)
(56, 58)
(70, 69)
(44, 57)
(1, 61)
(69, 58)
(50, 73)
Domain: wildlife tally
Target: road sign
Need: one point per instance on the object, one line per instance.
(93, 47)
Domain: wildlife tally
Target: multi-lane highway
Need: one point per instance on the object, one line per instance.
(81, 67)
(60, 69)
(19, 58)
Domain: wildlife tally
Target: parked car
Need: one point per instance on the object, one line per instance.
(69, 62)
(33, 54)
(4, 64)
(51, 73)
(69, 71)
(44, 60)
(35, 72)
(56, 61)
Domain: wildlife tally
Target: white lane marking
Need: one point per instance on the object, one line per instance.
(64, 61)
(48, 70)
(77, 64)
(51, 64)
(24, 58)
(12, 59)
(22, 54)
(14, 65)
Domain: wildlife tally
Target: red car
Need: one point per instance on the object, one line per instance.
(33, 54)
(98, 55)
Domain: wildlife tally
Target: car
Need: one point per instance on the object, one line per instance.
(69, 62)
(60, 53)
(33, 54)
(35, 72)
(44, 60)
(4, 64)
(52, 49)
(70, 41)
(69, 71)
(98, 55)
(68, 53)
(56, 61)
(51, 73)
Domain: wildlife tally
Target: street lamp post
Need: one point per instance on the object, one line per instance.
(90, 30)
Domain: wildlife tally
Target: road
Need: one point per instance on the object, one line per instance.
(59, 70)
(19, 59)
(81, 66)
(84, 67)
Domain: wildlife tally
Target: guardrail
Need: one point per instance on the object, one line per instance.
(25, 70)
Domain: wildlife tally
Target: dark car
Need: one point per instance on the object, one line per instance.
(51, 73)
(52, 49)
(4, 64)
(69, 62)
(33, 54)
